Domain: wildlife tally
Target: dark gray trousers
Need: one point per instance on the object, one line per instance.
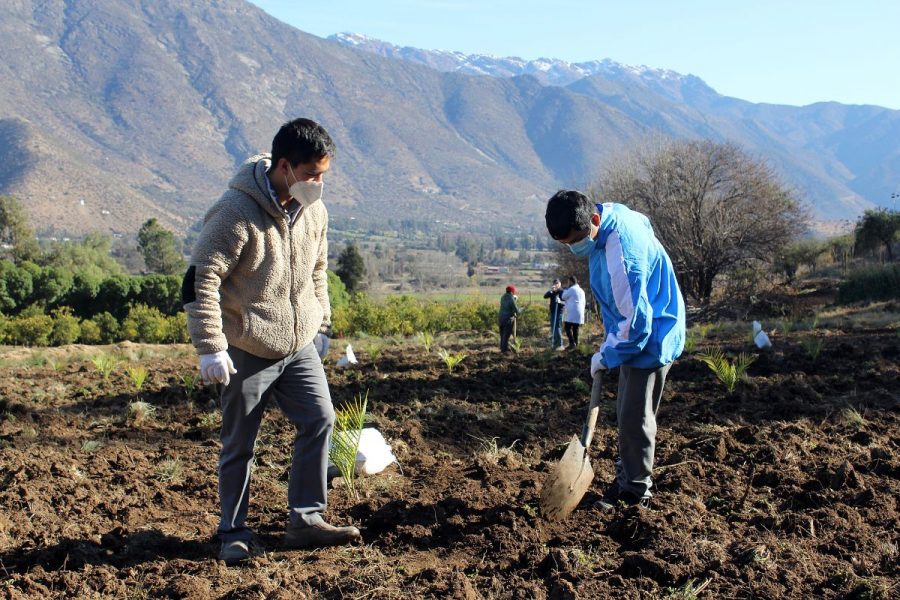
(640, 391)
(298, 385)
(506, 329)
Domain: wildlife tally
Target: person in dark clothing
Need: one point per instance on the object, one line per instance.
(556, 314)
(509, 310)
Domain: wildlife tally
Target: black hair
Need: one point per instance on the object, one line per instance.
(301, 141)
(573, 280)
(567, 211)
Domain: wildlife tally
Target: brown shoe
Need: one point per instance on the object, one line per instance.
(321, 534)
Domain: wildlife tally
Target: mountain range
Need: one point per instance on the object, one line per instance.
(115, 111)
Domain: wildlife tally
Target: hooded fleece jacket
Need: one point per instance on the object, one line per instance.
(256, 281)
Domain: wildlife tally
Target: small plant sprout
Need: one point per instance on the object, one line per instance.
(689, 591)
(348, 424)
(814, 322)
(451, 360)
(90, 446)
(105, 364)
(690, 342)
(137, 375)
(580, 386)
(374, 350)
(852, 417)
(191, 383)
(141, 411)
(211, 420)
(516, 344)
(813, 346)
(170, 470)
(427, 339)
(727, 372)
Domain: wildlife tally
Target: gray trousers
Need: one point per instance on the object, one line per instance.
(640, 391)
(297, 383)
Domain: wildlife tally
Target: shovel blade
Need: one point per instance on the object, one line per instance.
(568, 482)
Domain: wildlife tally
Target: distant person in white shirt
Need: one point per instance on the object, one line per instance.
(573, 297)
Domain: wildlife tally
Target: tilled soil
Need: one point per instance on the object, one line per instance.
(786, 488)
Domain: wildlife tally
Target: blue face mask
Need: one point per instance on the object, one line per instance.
(583, 247)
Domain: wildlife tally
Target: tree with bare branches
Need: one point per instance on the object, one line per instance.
(715, 208)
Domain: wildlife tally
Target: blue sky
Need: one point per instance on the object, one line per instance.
(781, 51)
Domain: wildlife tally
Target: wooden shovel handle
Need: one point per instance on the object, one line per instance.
(587, 432)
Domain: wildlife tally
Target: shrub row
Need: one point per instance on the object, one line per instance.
(406, 315)
(398, 315)
(86, 291)
(142, 324)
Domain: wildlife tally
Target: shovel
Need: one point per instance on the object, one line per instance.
(573, 474)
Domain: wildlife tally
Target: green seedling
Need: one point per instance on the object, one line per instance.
(689, 591)
(516, 344)
(813, 346)
(374, 350)
(580, 386)
(210, 420)
(170, 471)
(90, 446)
(105, 365)
(137, 375)
(348, 424)
(191, 383)
(451, 360)
(427, 339)
(852, 417)
(727, 372)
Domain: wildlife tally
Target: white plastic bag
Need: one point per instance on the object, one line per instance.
(348, 359)
(759, 337)
(373, 456)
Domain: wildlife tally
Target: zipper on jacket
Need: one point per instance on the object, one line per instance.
(290, 239)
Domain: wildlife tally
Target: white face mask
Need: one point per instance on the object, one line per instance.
(306, 193)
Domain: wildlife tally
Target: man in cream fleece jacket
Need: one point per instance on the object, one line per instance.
(256, 296)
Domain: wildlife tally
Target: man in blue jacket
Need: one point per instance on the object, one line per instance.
(644, 317)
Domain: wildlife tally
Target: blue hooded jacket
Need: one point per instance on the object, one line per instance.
(633, 279)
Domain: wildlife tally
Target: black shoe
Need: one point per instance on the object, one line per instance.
(626, 499)
(610, 497)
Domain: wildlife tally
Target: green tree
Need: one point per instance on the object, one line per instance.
(162, 292)
(16, 287)
(160, 249)
(116, 294)
(91, 253)
(51, 285)
(878, 228)
(15, 230)
(351, 268)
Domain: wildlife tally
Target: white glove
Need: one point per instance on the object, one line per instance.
(216, 368)
(597, 363)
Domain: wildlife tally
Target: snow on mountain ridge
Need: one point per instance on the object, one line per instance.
(549, 70)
